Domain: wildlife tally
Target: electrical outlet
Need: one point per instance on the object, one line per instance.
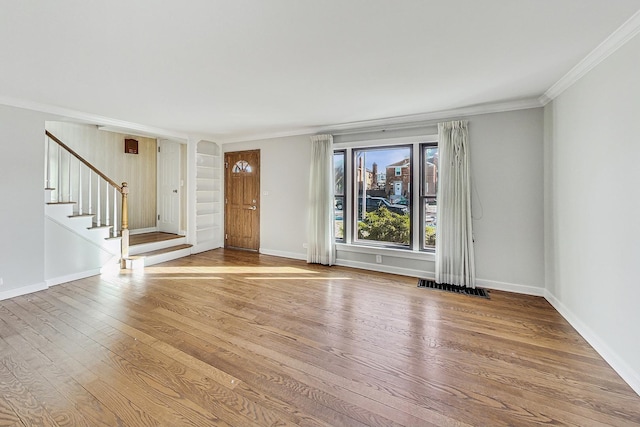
(379, 259)
(1, 281)
(305, 245)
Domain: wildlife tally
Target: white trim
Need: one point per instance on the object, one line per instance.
(143, 230)
(283, 254)
(71, 277)
(487, 284)
(390, 252)
(510, 287)
(23, 290)
(164, 257)
(398, 122)
(405, 140)
(615, 41)
(610, 356)
(382, 268)
(105, 122)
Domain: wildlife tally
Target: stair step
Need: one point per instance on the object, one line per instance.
(164, 250)
(94, 227)
(150, 242)
(80, 215)
(61, 203)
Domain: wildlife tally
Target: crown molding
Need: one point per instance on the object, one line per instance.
(398, 122)
(102, 122)
(615, 41)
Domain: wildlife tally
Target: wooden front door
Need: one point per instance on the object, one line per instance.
(242, 200)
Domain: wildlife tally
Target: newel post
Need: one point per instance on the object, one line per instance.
(125, 225)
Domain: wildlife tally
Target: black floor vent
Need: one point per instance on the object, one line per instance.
(477, 292)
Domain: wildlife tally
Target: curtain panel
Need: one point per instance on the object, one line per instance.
(455, 263)
(321, 233)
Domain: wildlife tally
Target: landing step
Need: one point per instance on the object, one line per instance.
(164, 250)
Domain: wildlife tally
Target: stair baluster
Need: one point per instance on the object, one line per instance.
(69, 174)
(106, 204)
(79, 188)
(114, 230)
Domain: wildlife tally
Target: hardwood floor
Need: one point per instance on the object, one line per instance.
(238, 339)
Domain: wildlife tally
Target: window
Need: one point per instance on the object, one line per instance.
(383, 205)
(339, 175)
(375, 194)
(428, 191)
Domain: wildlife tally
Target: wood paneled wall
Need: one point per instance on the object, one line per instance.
(105, 150)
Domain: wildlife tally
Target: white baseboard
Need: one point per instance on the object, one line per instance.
(383, 268)
(510, 287)
(610, 356)
(12, 293)
(283, 254)
(72, 277)
(489, 284)
(143, 230)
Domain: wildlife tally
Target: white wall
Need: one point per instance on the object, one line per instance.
(21, 201)
(593, 203)
(68, 256)
(507, 169)
(284, 175)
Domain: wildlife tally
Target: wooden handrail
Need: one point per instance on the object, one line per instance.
(123, 190)
(86, 163)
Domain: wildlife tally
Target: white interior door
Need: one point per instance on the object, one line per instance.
(168, 186)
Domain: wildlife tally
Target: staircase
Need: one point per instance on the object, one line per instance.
(83, 234)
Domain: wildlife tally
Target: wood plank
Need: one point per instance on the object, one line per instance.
(236, 338)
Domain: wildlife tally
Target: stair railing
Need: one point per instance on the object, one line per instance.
(72, 179)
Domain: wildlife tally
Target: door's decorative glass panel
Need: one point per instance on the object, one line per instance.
(241, 166)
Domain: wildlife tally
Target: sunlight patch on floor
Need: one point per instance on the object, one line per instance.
(295, 278)
(229, 270)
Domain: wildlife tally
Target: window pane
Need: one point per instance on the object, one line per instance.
(339, 217)
(429, 191)
(429, 224)
(338, 168)
(382, 178)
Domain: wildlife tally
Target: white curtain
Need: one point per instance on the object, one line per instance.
(321, 239)
(454, 235)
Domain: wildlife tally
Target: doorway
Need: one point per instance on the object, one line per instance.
(242, 200)
(168, 186)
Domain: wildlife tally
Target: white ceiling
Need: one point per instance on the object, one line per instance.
(236, 69)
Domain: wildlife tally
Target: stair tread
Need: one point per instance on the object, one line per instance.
(80, 215)
(61, 203)
(95, 227)
(164, 250)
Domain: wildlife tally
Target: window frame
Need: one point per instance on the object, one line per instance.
(353, 217)
(422, 194)
(345, 186)
(415, 250)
